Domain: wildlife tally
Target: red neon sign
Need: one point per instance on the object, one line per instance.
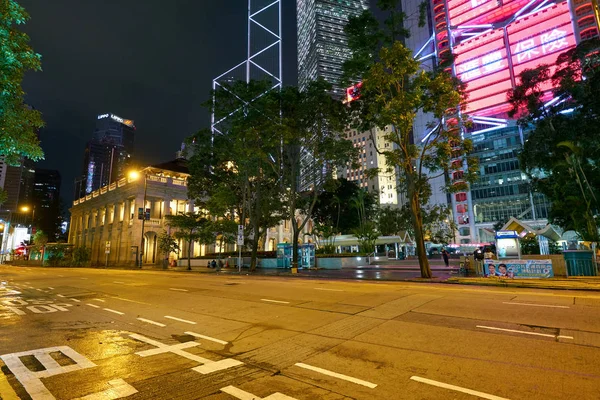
(353, 92)
(473, 12)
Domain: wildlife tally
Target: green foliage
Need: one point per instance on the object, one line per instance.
(18, 122)
(40, 238)
(367, 235)
(395, 89)
(529, 245)
(562, 151)
(167, 244)
(81, 256)
(3, 196)
(191, 227)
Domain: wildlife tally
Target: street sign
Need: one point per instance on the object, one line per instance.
(240, 239)
(107, 247)
(240, 229)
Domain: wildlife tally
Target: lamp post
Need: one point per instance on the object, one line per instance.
(25, 209)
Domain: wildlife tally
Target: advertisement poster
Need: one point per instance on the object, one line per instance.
(518, 268)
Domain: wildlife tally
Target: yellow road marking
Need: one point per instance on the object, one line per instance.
(6, 390)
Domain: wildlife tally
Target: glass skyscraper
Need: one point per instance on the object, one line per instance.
(322, 44)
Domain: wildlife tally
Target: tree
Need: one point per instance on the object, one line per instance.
(191, 227)
(395, 89)
(18, 122)
(236, 174)
(39, 240)
(167, 245)
(562, 151)
(314, 143)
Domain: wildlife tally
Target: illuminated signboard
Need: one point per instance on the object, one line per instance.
(353, 92)
(114, 117)
(473, 12)
(483, 62)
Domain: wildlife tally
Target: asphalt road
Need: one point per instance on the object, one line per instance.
(109, 334)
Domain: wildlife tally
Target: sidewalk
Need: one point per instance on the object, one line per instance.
(574, 283)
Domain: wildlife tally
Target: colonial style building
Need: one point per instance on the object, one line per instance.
(110, 218)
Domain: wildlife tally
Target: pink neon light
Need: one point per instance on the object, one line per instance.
(471, 12)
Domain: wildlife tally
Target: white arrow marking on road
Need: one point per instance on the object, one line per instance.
(533, 305)
(180, 320)
(119, 388)
(331, 290)
(113, 311)
(336, 375)
(206, 337)
(523, 332)
(276, 301)
(151, 322)
(179, 290)
(457, 388)
(243, 395)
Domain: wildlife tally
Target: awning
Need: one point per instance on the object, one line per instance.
(523, 229)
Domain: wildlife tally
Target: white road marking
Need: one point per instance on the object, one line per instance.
(92, 305)
(61, 276)
(180, 320)
(457, 388)
(51, 288)
(75, 300)
(39, 290)
(534, 305)
(243, 395)
(119, 282)
(119, 388)
(276, 301)
(131, 301)
(523, 332)
(31, 380)
(179, 290)
(564, 337)
(113, 311)
(336, 375)
(331, 290)
(82, 278)
(208, 365)
(60, 295)
(100, 300)
(206, 337)
(151, 322)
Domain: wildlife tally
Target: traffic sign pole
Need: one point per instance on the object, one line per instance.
(240, 243)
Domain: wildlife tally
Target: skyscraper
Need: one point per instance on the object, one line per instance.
(107, 155)
(322, 44)
(46, 193)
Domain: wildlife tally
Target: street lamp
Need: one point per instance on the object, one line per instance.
(26, 209)
(135, 175)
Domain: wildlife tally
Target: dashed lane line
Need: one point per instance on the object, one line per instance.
(51, 288)
(457, 388)
(113, 311)
(179, 290)
(330, 290)
(92, 305)
(122, 283)
(75, 300)
(493, 328)
(206, 337)
(180, 320)
(100, 300)
(336, 375)
(533, 305)
(148, 321)
(60, 295)
(276, 301)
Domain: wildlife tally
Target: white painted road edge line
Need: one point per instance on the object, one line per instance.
(179, 290)
(206, 337)
(151, 322)
(92, 305)
(457, 388)
(276, 301)
(523, 332)
(180, 320)
(534, 305)
(331, 290)
(336, 375)
(113, 311)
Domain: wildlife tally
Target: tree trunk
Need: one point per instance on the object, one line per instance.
(190, 255)
(295, 236)
(419, 235)
(255, 241)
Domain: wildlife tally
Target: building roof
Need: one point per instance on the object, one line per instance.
(522, 229)
(178, 165)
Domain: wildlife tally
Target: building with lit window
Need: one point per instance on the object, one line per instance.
(492, 43)
(322, 44)
(107, 154)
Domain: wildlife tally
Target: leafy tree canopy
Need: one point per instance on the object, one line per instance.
(18, 122)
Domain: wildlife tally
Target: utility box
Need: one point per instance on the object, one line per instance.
(580, 263)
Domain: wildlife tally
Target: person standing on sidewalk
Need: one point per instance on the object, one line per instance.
(445, 257)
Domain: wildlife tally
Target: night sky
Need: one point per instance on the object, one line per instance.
(148, 60)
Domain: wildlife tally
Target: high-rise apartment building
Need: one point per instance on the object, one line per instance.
(107, 154)
(322, 43)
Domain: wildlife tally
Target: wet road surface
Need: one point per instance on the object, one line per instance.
(109, 334)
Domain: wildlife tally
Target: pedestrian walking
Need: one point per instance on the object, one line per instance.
(445, 257)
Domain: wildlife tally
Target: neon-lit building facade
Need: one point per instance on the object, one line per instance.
(493, 41)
